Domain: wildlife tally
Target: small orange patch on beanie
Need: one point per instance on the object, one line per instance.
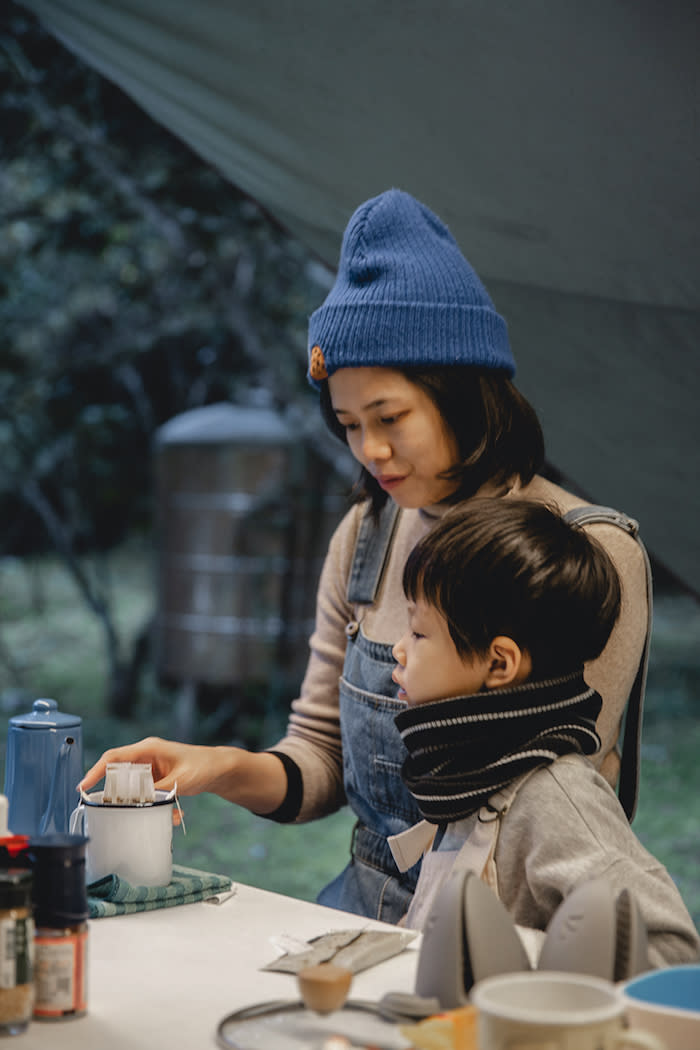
(317, 364)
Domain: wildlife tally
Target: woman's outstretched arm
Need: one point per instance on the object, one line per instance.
(257, 781)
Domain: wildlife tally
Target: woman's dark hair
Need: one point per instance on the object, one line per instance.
(498, 434)
(515, 567)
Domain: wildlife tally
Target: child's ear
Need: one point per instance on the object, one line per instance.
(508, 664)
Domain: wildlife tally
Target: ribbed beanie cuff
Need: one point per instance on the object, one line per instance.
(404, 295)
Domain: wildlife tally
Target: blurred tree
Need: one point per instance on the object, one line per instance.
(135, 283)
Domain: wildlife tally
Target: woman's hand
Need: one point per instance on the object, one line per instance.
(256, 781)
(170, 762)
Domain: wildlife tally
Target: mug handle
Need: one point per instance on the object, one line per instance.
(636, 1038)
(77, 822)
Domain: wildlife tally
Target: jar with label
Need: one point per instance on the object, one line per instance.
(16, 950)
(61, 939)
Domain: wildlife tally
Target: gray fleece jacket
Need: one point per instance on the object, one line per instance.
(564, 827)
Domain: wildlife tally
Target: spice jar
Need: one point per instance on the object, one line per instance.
(16, 950)
(13, 848)
(60, 913)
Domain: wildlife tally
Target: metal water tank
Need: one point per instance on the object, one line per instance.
(224, 514)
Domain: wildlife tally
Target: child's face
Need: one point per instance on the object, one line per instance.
(429, 666)
(396, 432)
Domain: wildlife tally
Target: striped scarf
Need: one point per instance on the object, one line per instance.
(461, 751)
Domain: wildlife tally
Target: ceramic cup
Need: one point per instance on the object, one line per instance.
(667, 1002)
(554, 1011)
(132, 841)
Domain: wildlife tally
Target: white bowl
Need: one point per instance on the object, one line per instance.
(667, 1003)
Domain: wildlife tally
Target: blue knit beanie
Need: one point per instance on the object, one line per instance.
(404, 295)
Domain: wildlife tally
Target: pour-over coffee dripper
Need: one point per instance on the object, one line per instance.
(128, 783)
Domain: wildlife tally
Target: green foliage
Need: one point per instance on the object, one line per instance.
(135, 283)
(49, 642)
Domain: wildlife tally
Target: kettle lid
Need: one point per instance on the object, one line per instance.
(45, 715)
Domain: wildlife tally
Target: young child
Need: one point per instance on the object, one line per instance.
(507, 602)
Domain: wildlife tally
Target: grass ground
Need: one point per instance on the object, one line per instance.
(49, 646)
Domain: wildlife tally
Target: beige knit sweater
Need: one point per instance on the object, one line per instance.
(313, 736)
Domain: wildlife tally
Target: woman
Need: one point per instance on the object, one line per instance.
(414, 370)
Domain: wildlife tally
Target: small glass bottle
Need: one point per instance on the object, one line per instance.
(60, 913)
(13, 848)
(16, 950)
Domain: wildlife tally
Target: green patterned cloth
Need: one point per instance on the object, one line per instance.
(113, 895)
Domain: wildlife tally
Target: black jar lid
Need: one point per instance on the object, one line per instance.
(15, 888)
(60, 890)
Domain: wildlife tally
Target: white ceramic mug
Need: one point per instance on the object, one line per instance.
(544, 1010)
(132, 841)
(667, 1002)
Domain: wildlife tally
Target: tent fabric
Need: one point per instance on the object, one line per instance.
(559, 141)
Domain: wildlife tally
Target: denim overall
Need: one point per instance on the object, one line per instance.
(373, 751)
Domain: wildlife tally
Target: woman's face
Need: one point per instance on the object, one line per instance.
(394, 429)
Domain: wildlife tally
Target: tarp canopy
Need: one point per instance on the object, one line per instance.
(560, 141)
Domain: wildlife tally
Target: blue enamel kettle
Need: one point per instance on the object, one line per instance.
(43, 767)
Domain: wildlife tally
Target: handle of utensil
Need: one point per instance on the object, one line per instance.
(636, 1038)
(77, 820)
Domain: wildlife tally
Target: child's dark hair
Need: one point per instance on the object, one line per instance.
(515, 567)
(498, 434)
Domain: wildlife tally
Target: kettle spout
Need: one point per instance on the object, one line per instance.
(55, 817)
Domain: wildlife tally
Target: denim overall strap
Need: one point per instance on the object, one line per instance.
(628, 787)
(373, 750)
(371, 551)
